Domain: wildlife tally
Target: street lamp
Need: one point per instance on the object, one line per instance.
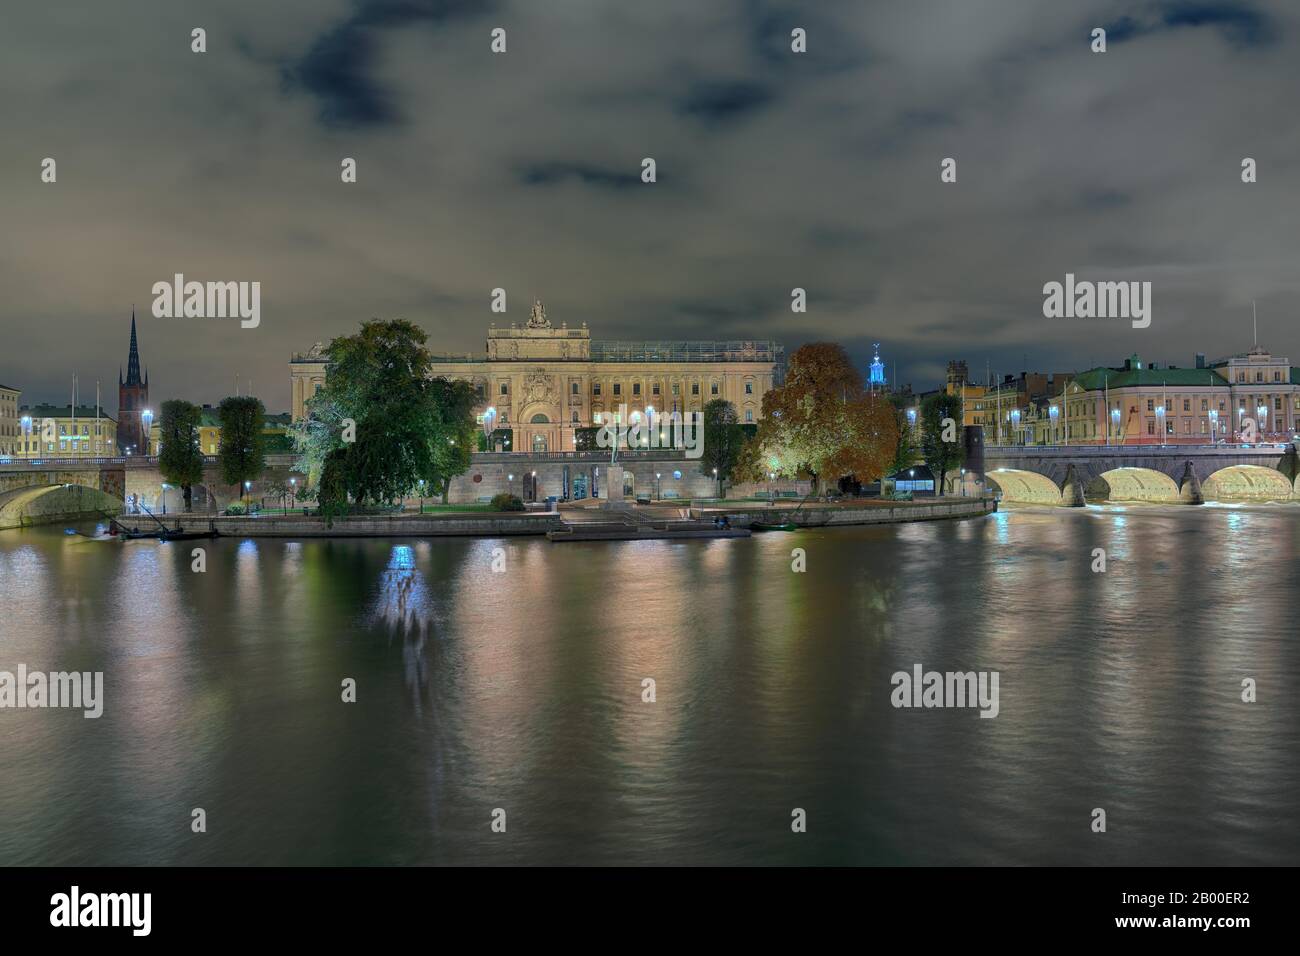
(1015, 422)
(421, 496)
(27, 434)
(719, 481)
(771, 477)
(1114, 424)
(247, 486)
(164, 496)
(963, 482)
(147, 417)
(489, 417)
(293, 491)
(1053, 413)
(657, 494)
(1262, 412)
(1160, 422)
(1214, 424)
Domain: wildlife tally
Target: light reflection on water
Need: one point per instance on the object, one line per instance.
(523, 690)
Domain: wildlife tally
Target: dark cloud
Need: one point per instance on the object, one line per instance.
(718, 101)
(339, 67)
(522, 171)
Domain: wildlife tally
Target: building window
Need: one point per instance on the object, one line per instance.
(573, 388)
(1204, 404)
(505, 389)
(636, 389)
(1187, 404)
(677, 389)
(1277, 375)
(749, 388)
(1151, 427)
(1151, 404)
(695, 388)
(595, 388)
(654, 389)
(575, 417)
(749, 415)
(713, 388)
(618, 388)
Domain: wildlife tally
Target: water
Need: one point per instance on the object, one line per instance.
(522, 691)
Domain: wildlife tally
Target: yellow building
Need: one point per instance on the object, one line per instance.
(276, 430)
(11, 432)
(61, 431)
(544, 383)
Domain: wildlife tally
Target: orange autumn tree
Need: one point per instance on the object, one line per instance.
(822, 423)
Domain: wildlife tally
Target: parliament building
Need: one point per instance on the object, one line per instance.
(545, 382)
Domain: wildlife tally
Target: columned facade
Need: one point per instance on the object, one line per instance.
(540, 384)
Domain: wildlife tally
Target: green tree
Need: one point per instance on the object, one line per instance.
(454, 432)
(242, 454)
(406, 426)
(179, 459)
(942, 456)
(906, 451)
(723, 440)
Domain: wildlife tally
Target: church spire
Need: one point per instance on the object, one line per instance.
(133, 360)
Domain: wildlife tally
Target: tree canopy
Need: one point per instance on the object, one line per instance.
(242, 454)
(942, 444)
(179, 459)
(381, 423)
(821, 423)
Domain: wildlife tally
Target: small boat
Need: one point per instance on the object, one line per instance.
(187, 535)
(766, 526)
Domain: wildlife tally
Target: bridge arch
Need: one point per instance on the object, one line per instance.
(1247, 483)
(48, 504)
(1025, 487)
(1128, 483)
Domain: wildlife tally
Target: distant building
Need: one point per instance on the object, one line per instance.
(876, 380)
(62, 431)
(1140, 403)
(132, 401)
(11, 431)
(275, 428)
(541, 384)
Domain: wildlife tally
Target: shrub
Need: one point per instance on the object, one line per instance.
(507, 502)
(235, 509)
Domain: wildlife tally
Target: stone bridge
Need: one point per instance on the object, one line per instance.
(1192, 474)
(42, 491)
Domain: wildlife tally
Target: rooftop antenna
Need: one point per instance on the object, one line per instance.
(1254, 318)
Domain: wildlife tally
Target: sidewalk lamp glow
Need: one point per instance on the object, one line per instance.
(911, 417)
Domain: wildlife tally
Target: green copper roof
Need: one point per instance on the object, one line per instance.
(1095, 379)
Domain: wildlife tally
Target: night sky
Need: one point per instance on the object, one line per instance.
(522, 170)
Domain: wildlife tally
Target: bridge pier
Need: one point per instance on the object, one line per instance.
(1189, 489)
(1072, 495)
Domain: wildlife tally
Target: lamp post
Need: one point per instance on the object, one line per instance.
(1262, 412)
(247, 486)
(963, 482)
(421, 496)
(489, 417)
(771, 499)
(293, 491)
(1214, 424)
(1160, 422)
(146, 416)
(1114, 425)
(657, 494)
(164, 497)
(719, 482)
(1015, 422)
(1053, 413)
(27, 434)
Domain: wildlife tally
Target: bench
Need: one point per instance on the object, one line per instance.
(484, 499)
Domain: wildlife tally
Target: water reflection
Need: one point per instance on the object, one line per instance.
(524, 689)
